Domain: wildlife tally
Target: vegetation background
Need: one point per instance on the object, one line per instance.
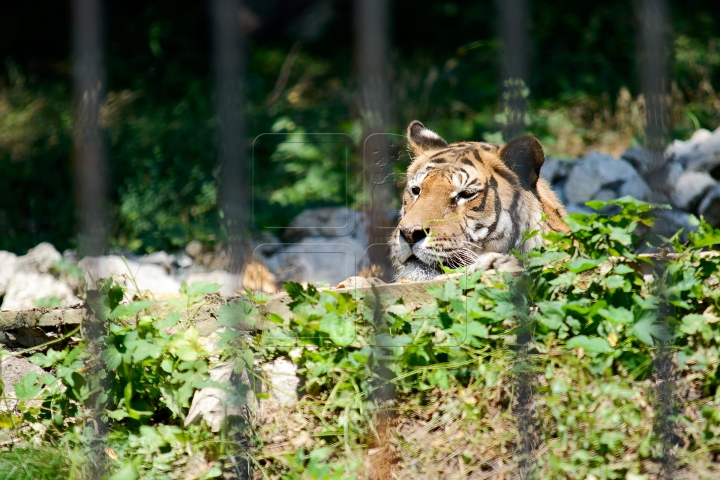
(444, 71)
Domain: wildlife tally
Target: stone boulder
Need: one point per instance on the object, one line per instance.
(700, 154)
(12, 370)
(600, 171)
(690, 189)
(7, 270)
(710, 207)
(40, 259)
(324, 222)
(147, 277)
(27, 289)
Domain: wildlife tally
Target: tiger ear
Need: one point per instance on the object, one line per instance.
(421, 139)
(524, 155)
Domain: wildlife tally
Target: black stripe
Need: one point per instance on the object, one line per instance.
(439, 160)
(476, 155)
(467, 161)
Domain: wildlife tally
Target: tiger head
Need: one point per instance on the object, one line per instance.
(469, 198)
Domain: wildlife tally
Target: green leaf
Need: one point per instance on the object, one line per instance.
(129, 309)
(340, 330)
(28, 387)
(617, 314)
(692, 323)
(646, 329)
(144, 349)
(170, 321)
(233, 313)
(594, 345)
(582, 264)
(112, 357)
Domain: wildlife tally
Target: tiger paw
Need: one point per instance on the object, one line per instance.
(500, 262)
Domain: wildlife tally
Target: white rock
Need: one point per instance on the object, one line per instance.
(148, 277)
(230, 282)
(182, 260)
(690, 188)
(211, 403)
(7, 269)
(25, 289)
(701, 153)
(39, 259)
(282, 381)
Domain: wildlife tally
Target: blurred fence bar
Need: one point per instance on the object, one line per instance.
(234, 183)
(513, 25)
(90, 163)
(653, 43)
(91, 182)
(372, 54)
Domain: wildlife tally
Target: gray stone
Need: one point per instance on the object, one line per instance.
(669, 222)
(554, 169)
(594, 172)
(40, 259)
(640, 158)
(324, 222)
(318, 259)
(605, 194)
(147, 277)
(7, 269)
(13, 369)
(690, 188)
(27, 288)
(635, 187)
(575, 208)
(710, 207)
(701, 153)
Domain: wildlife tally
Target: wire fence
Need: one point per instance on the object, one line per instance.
(373, 95)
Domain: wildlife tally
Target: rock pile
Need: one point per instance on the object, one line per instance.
(686, 177)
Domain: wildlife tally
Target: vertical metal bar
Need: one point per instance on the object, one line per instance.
(90, 161)
(234, 187)
(513, 24)
(90, 177)
(654, 73)
(234, 182)
(514, 36)
(372, 49)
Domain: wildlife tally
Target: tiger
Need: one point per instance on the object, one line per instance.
(468, 204)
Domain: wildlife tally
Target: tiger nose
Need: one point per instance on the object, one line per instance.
(414, 234)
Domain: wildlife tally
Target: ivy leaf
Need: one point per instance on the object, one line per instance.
(28, 387)
(692, 323)
(594, 345)
(616, 314)
(341, 331)
(646, 329)
(112, 357)
(582, 264)
(235, 312)
(129, 309)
